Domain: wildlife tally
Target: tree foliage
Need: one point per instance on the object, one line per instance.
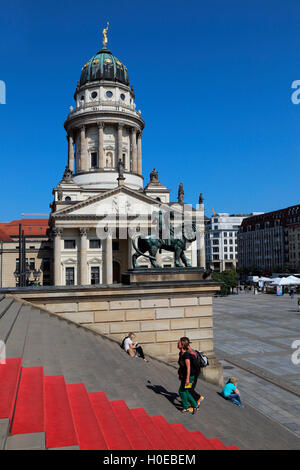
(228, 279)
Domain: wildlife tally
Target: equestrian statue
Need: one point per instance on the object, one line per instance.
(164, 241)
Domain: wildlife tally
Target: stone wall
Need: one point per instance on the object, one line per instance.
(158, 316)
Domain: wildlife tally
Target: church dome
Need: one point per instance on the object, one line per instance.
(104, 66)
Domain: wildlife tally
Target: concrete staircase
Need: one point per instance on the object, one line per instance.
(50, 348)
(50, 386)
(40, 411)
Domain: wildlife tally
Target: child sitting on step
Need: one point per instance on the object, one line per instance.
(230, 391)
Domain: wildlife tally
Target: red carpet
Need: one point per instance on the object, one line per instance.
(29, 412)
(9, 379)
(60, 429)
(134, 431)
(167, 432)
(152, 432)
(90, 436)
(114, 434)
(70, 416)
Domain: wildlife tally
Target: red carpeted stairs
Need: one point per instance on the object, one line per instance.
(69, 416)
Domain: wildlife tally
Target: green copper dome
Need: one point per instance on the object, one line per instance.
(104, 66)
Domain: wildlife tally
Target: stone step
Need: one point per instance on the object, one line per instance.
(16, 341)
(8, 320)
(5, 303)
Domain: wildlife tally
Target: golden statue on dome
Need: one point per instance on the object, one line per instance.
(104, 32)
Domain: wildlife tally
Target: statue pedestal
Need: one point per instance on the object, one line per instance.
(171, 275)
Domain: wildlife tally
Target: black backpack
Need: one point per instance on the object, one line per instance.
(200, 360)
(122, 345)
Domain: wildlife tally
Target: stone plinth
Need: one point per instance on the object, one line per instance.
(158, 312)
(173, 275)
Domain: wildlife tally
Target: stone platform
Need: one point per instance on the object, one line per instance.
(174, 275)
(158, 312)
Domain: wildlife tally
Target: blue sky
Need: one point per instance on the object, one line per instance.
(213, 80)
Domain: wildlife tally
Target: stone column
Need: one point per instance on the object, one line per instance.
(100, 145)
(130, 252)
(57, 233)
(70, 152)
(83, 256)
(120, 128)
(139, 152)
(83, 156)
(108, 260)
(134, 150)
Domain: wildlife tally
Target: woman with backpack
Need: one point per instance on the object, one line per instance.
(133, 349)
(186, 373)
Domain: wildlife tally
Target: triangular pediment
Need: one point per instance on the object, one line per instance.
(118, 201)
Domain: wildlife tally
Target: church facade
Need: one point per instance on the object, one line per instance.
(101, 204)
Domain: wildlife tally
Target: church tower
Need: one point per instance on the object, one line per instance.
(104, 127)
(100, 204)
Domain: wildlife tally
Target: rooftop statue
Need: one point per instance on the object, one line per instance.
(180, 194)
(104, 32)
(147, 243)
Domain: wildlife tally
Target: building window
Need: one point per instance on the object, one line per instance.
(46, 264)
(69, 276)
(225, 242)
(96, 243)
(215, 242)
(95, 275)
(167, 266)
(70, 244)
(225, 234)
(122, 96)
(94, 160)
(67, 199)
(32, 263)
(109, 94)
(115, 246)
(216, 250)
(32, 247)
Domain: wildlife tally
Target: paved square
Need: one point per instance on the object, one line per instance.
(253, 335)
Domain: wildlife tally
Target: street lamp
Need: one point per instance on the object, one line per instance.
(37, 274)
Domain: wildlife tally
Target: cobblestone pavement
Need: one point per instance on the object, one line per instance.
(253, 337)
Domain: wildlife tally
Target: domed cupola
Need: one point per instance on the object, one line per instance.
(105, 128)
(104, 66)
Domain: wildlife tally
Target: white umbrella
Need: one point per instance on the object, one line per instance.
(286, 281)
(294, 280)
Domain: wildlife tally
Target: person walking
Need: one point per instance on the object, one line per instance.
(186, 373)
(292, 294)
(197, 397)
(298, 304)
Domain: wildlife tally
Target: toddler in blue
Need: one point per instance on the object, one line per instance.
(230, 392)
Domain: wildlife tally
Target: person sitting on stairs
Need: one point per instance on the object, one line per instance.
(133, 349)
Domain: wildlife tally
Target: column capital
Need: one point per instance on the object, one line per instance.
(83, 127)
(133, 130)
(83, 231)
(120, 125)
(100, 125)
(57, 231)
